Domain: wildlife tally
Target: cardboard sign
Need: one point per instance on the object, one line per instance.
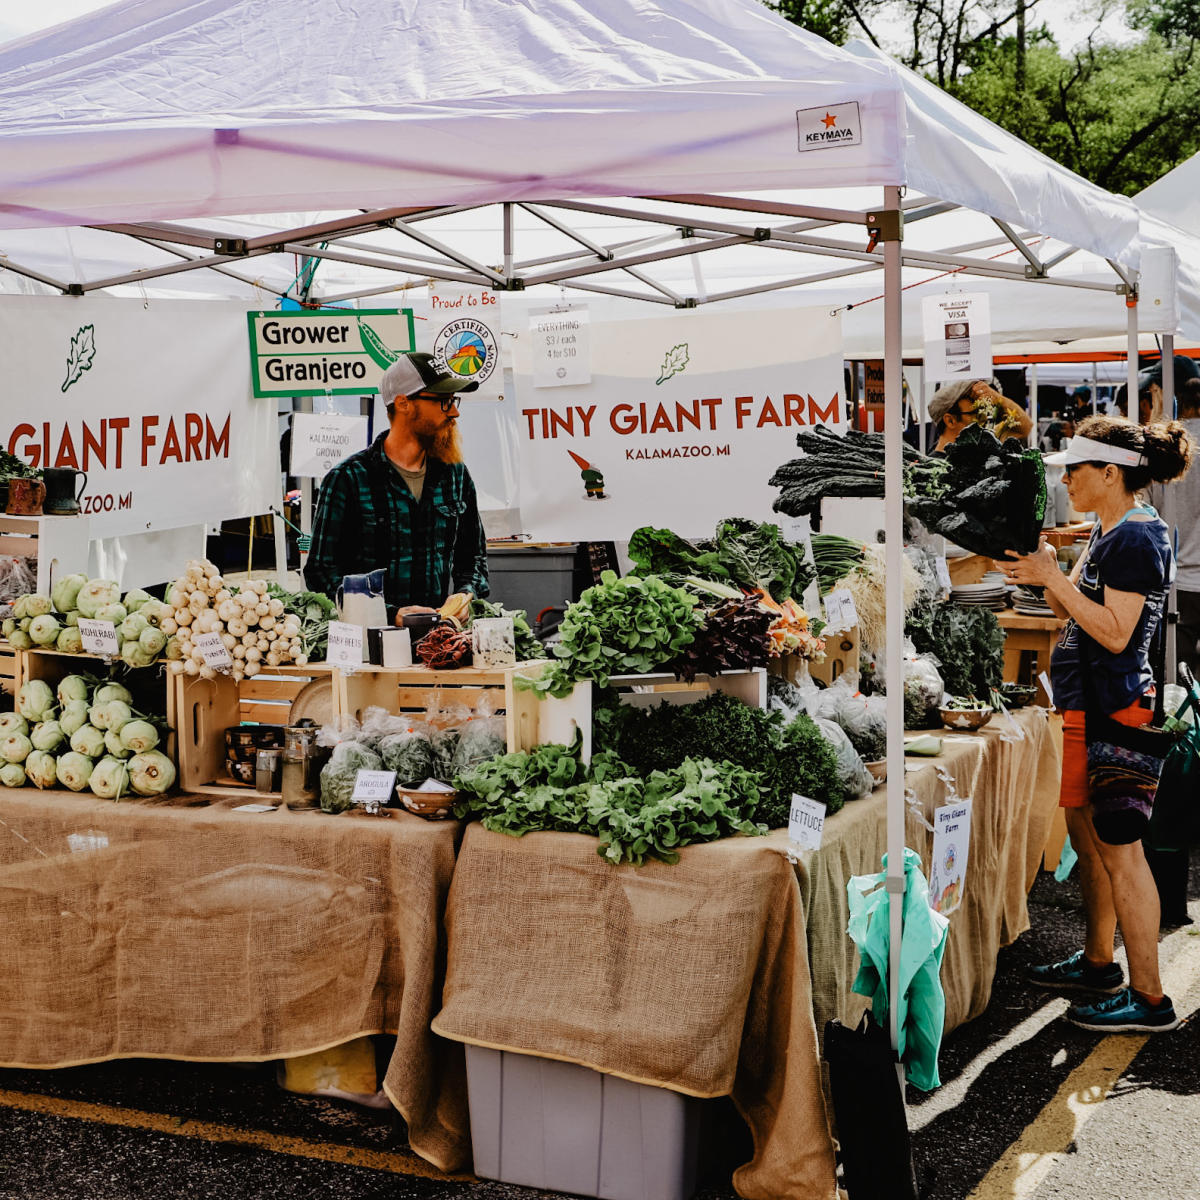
(215, 652)
(99, 637)
(806, 822)
(948, 868)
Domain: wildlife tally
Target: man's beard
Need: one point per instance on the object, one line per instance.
(445, 444)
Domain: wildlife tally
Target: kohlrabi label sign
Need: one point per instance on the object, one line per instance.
(339, 352)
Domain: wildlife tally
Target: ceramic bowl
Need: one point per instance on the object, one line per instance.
(966, 718)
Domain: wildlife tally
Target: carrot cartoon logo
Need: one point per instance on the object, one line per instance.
(593, 481)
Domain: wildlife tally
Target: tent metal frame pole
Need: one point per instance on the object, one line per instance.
(362, 261)
(462, 259)
(1169, 412)
(1033, 404)
(598, 250)
(612, 291)
(29, 273)
(168, 249)
(1131, 356)
(1025, 252)
(894, 535)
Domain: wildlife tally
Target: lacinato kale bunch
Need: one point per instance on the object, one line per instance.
(989, 498)
(966, 640)
(849, 464)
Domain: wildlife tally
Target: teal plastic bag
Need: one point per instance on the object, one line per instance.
(1066, 860)
(922, 1000)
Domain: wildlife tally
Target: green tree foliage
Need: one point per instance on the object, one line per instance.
(1119, 115)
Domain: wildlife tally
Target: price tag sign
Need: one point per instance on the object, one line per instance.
(942, 570)
(99, 637)
(215, 653)
(806, 822)
(840, 612)
(373, 787)
(345, 647)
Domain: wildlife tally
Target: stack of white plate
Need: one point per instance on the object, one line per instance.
(1030, 605)
(990, 592)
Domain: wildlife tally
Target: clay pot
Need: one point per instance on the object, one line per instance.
(25, 497)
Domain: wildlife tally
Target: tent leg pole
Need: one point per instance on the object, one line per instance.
(1131, 357)
(1033, 404)
(894, 533)
(1170, 409)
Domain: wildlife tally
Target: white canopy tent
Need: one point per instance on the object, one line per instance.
(150, 122)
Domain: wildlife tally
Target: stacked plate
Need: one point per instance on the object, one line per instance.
(1030, 604)
(990, 592)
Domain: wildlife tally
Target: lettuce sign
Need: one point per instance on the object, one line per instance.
(339, 352)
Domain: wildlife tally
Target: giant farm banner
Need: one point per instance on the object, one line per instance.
(682, 423)
(152, 400)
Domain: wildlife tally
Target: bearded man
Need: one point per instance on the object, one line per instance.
(406, 504)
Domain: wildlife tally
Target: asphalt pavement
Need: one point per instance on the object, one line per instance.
(1030, 1108)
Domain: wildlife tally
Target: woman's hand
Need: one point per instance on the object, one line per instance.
(1038, 568)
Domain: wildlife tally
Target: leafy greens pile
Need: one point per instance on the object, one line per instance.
(634, 819)
(967, 642)
(989, 497)
(787, 756)
(733, 638)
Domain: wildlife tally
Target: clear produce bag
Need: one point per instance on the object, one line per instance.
(482, 736)
(856, 780)
(864, 718)
(924, 690)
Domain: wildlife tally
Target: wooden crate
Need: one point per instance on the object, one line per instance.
(10, 669)
(200, 710)
(841, 655)
(536, 721)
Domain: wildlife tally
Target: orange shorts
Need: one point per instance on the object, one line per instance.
(1074, 790)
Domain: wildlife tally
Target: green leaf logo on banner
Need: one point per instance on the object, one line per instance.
(83, 351)
(676, 361)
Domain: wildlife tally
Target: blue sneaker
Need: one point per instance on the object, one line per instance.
(1077, 974)
(1126, 1012)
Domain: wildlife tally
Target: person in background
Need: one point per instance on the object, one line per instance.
(407, 503)
(1063, 426)
(975, 402)
(1179, 503)
(1150, 394)
(1114, 599)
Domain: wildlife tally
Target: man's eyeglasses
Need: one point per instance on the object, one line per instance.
(446, 402)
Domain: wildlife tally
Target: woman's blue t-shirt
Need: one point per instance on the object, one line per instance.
(1135, 556)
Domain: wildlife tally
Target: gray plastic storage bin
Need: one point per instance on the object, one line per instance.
(531, 577)
(565, 1128)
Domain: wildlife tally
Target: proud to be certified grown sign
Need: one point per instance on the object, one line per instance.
(338, 352)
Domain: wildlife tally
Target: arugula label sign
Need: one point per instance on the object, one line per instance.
(338, 352)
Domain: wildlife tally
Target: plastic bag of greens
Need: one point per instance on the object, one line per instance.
(409, 753)
(338, 774)
(924, 691)
(791, 699)
(864, 718)
(377, 724)
(483, 736)
(855, 779)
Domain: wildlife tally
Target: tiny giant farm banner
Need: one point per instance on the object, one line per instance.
(681, 424)
(151, 400)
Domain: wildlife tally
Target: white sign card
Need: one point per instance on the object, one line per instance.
(322, 440)
(1044, 680)
(99, 637)
(345, 645)
(799, 530)
(951, 842)
(681, 413)
(806, 822)
(373, 787)
(493, 642)
(214, 651)
(561, 344)
(840, 613)
(958, 336)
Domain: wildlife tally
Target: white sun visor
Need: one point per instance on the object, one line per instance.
(1083, 449)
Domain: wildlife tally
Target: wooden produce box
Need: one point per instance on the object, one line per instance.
(149, 685)
(60, 544)
(537, 721)
(10, 669)
(200, 710)
(841, 655)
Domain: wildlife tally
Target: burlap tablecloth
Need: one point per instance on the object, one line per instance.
(153, 929)
(1014, 786)
(696, 976)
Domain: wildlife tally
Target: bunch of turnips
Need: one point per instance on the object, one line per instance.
(252, 623)
(85, 734)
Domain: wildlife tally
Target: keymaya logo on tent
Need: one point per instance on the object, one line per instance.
(820, 128)
(83, 350)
